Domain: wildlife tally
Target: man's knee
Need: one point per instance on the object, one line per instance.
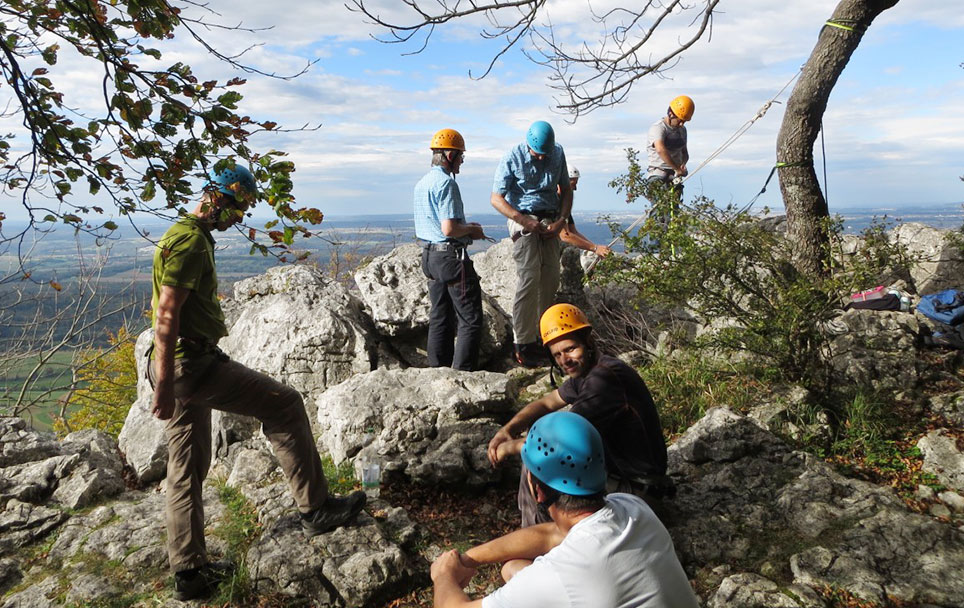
(513, 567)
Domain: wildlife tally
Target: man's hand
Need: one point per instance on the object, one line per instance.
(553, 229)
(530, 225)
(602, 250)
(162, 404)
(449, 567)
(476, 233)
(501, 436)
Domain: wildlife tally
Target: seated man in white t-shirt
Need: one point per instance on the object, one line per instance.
(597, 552)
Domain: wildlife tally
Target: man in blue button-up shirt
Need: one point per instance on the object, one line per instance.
(532, 190)
(453, 285)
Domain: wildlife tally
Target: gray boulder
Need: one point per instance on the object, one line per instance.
(876, 348)
(748, 590)
(142, 439)
(395, 293)
(392, 287)
(301, 328)
(357, 565)
(431, 425)
(497, 273)
(943, 457)
(746, 498)
(939, 264)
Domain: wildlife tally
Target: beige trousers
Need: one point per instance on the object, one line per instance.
(537, 267)
(212, 381)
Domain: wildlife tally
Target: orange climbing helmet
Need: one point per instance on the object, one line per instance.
(561, 320)
(447, 139)
(682, 107)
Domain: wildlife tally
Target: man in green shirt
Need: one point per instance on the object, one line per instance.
(191, 376)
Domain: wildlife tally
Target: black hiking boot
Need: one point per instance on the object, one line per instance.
(337, 511)
(200, 582)
(530, 355)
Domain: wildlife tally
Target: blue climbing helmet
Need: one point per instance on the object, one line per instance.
(565, 452)
(237, 182)
(541, 138)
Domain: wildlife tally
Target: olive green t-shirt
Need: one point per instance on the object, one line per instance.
(184, 257)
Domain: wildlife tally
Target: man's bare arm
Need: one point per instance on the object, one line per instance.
(166, 326)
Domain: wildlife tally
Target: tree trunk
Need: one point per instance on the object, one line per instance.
(805, 204)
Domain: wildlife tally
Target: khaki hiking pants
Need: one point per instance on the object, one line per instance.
(213, 381)
(537, 267)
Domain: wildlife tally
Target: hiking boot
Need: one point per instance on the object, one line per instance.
(529, 355)
(200, 582)
(337, 511)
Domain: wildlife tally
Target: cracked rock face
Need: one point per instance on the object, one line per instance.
(746, 499)
(877, 348)
(940, 265)
(395, 292)
(943, 457)
(427, 425)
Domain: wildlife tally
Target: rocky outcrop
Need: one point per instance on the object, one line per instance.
(142, 439)
(748, 501)
(939, 264)
(395, 293)
(944, 457)
(876, 348)
(427, 425)
(301, 328)
(358, 565)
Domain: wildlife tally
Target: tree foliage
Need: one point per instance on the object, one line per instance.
(736, 273)
(158, 124)
(108, 386)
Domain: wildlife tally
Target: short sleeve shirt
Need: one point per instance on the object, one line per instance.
(528, 184)
(673, 139)
(437, 198)
(621, 556)
(617, 402)
(184, 257)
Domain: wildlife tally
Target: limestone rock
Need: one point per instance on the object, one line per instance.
(748, 590)
(877, 348)
(22, 523)
(142, 439)
(395, 293)
(356, 565)
(950, 406)
(99, 475)
(19, 443)
(943, 457)
(940, 264)
(9, 573)
(301, 328)
(430, 425)
(745, 497)
(497, 274)
(143, 442)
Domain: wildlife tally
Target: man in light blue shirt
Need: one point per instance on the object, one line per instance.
(532, 191)
(453, 285)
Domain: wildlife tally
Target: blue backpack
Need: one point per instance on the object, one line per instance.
(945, 306)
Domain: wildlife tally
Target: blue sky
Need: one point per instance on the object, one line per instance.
(894, 127)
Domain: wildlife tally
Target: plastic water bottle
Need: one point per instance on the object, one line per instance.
(371, 478)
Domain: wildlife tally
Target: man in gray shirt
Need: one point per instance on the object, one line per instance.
(666, 149)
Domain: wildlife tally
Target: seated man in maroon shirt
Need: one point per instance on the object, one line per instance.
(608, 393)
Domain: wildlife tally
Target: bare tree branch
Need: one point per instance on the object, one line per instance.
(587, 76)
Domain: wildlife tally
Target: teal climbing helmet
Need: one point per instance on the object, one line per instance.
(565, 452)
(237, 182)
(541, 138)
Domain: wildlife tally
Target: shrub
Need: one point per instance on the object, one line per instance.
(108, 385)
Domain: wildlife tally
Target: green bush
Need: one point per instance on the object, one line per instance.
(736, 273)
(108, 381)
